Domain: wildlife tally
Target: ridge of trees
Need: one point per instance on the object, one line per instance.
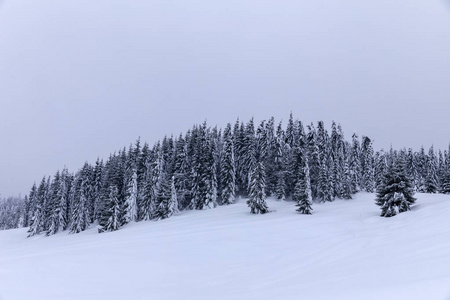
(207, 167)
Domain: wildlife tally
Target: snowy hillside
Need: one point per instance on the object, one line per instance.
(343, 251)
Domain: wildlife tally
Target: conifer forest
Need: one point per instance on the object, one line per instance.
(209, 166)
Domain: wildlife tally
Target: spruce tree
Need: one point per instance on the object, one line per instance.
(337, 154)
(269, 162)
(38, 215)
(150, 186)
(367, 166)
(302, 191)
(257, 193)
(313, 158)
(228, 171)
(431, 179)
(355, 165)
(238, 142)
(173, 207)
(181, 172)
(445, 185)
(421, 164)
(55, 219)
(97, 187)
(114, 211)
(395, 194)
(80, 210)
(163, 198)
(25, 211)
(210, 176)
(249, 152)
(131, 213)
(411, 168)
(280, 188)
(346, 185)
(280, 164)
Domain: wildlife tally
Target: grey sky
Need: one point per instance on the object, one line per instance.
(81, 79)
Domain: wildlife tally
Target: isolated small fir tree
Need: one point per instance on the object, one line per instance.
(395, 193)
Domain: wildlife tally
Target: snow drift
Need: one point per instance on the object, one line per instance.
(343, 251)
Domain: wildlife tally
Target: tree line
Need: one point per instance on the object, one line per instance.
(208, 166)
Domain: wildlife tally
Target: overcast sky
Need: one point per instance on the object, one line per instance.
(80, 79)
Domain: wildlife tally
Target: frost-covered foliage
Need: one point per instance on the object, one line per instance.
(257, 192)
(13, 210)
(395, 194)
(206, 167)
(302, 191)
(131, 214)
(114, 217)
(228, 166)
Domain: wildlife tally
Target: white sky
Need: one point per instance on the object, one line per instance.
(81, 79)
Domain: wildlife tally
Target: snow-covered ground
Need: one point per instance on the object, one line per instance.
(343, 251)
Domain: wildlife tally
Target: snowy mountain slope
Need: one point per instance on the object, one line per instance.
(343, 251)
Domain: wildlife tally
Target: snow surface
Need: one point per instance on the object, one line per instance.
(343, 251)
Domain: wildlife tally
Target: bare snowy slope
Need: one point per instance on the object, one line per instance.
(343, 251)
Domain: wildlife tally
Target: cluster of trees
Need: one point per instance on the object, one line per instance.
(207, 167)
(11, 213)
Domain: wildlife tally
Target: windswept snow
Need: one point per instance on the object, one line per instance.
(343, 251)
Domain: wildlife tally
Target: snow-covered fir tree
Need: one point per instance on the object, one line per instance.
(445, 185)
(131, 213)
(181, 172)
(421, 167)
(431, 179)
(355, 164)
(37, 197)
(367, 166)
(163, 198)
(302, 191)
(114, 211)
(210, 176)
(80, 207)
(150, 187)
(97, 187)
(346, 185)
(395, 194)
(57, 218)
(173, 207)
(280, 158)
(204, 177)
(228, 170)
(257, 193)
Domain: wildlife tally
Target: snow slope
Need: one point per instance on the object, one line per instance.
(343, 251)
